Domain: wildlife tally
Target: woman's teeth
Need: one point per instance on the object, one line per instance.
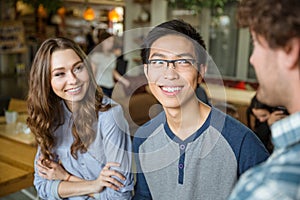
(171, 89)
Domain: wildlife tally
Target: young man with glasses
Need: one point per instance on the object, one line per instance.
(190, 150)
(275, 30)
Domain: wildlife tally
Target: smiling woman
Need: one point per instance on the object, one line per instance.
(83, 136)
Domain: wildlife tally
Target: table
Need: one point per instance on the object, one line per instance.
(239, 98)
(17, 153)
(13, 179)
(231, 95)
(9, 131)
(16, 131)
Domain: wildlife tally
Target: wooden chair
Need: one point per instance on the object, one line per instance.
(4, 102)
(18, 105)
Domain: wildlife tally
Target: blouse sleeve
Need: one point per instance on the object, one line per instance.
(117, 148)
(46, 189)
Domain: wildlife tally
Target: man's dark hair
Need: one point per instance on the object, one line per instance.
(174, 27)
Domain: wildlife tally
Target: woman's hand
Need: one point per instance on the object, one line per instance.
(106, 178)
(125, 82)
(275, 116)
(55, 171)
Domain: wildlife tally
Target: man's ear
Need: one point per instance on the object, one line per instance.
(201, 72)
(290, 55)
(146, 70)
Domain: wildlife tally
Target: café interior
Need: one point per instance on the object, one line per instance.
(25, 24)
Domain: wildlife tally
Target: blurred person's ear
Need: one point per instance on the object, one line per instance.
(290, 55)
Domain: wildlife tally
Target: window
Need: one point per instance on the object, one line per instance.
(229, 46)
(223, 40)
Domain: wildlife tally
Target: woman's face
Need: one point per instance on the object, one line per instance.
(108, 44)
(69, 77)
(261, 114)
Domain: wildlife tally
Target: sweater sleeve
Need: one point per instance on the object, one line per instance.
(252, 152)
(117, 148)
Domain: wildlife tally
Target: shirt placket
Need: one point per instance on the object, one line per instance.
(181, 164)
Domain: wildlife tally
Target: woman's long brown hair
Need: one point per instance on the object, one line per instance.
(44, 106)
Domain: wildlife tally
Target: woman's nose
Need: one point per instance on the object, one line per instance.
(72, 78)
(261, 119)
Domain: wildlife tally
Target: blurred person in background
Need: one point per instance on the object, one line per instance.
(105, 60)
(264, 117)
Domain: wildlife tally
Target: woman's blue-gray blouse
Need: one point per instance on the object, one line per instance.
(112, 144)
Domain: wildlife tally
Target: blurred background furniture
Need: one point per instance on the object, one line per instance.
(137, 101)
(13, 104)
(240, 99)
(16, 159)
(4, 102)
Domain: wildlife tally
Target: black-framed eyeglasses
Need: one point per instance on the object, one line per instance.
(179, 64)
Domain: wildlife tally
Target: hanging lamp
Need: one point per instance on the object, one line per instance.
(113, 16)
(89, 13)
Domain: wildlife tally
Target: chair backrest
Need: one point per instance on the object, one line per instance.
(121, 66)
(4, 102)
(18, 105)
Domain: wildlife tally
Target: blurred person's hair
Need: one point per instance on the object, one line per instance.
(103, 35)
(276, 22)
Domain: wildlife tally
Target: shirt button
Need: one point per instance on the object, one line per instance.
(82, 164)
(180, 166)
(182, 146)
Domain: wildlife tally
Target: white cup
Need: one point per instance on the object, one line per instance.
(11, 117)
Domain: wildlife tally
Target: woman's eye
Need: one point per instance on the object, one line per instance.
(59, 74)
(78, 68)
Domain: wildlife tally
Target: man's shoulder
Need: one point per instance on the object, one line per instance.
(225, 124)
(151, 125)
(234, 131)
(148, 128)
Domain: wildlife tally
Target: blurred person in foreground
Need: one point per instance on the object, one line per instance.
(190, 150)
(84, 147)
(275, 29)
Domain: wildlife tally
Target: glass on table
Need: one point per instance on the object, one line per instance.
(11, 116)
